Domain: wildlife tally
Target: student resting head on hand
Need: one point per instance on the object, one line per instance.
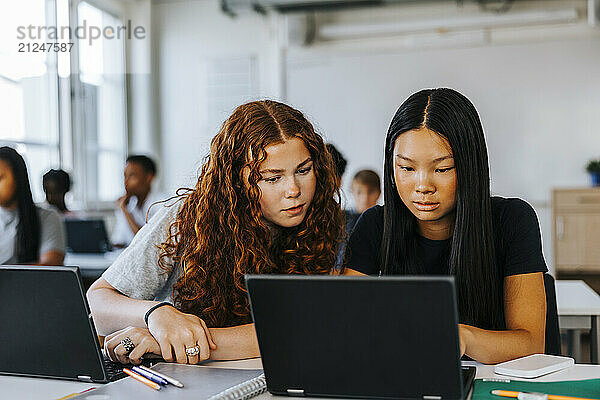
(266, 201)
(439, 218)
(28, 234)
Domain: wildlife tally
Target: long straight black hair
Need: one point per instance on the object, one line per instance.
(28, 229)
(472, 257)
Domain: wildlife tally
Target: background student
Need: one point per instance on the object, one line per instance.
(439, 218)
(266, 198)
(366, 189)
(28, 234)
(56, 184)
(138, 198)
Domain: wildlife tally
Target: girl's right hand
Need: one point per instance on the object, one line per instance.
(176, 331)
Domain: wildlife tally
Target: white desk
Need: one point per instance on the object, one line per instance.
(15, 387)
(43, 389)
(579, 308)
(91, 266)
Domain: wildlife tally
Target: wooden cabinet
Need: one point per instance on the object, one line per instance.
(576, 217)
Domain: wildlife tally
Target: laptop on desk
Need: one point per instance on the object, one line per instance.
(47, 328)
(87, 236)
(359, 337)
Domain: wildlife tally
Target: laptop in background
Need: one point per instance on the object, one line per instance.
(47, 327)
(87, 236)
(361, 337)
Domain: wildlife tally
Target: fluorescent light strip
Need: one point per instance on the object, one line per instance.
(339, 31)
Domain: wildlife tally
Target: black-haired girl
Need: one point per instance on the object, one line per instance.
(440, 219)
(28, 234)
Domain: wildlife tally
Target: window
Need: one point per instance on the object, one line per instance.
(85, 134)
(29, 91)
(100, 112)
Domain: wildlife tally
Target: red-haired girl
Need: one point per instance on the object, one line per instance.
(266, 201)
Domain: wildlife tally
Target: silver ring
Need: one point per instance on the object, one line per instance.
(128, 344)
(192, 351)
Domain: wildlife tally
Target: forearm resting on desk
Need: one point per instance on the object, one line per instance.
(235, 343)
(492, 347)
(113, 311)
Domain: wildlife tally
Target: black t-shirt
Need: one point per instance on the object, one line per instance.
(516, 232)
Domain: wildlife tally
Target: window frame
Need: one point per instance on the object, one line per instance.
(79, 144)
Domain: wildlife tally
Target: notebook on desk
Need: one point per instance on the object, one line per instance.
(359, 337)
(199, 382)
(47, 327)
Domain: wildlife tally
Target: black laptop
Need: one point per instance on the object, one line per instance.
(359, 337)
(87, 236)
(47, 328)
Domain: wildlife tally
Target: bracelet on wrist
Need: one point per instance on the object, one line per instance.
(154, 307)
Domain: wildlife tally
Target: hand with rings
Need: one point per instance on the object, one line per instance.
(128, 345)
(183, 338)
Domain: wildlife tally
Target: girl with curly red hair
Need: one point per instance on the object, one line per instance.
(266, 202)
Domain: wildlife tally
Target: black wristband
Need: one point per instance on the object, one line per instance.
(164, 303)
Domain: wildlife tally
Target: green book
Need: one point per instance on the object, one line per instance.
(588, 388)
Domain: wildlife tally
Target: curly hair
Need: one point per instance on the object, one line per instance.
(219, 235)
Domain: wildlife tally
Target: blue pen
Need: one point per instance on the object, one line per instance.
(151, 376)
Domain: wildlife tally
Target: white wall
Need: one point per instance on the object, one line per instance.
(538, 103)
(189, 35)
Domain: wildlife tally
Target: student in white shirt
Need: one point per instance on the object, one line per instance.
(28, 234)
(133, 209)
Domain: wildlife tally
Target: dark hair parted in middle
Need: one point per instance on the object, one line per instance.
(28, 228)
(472, 257)
(219, 234)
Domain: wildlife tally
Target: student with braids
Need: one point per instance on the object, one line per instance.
(439, 218)
(28, 234)
(266, 201)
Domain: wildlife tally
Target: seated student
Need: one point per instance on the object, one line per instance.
(439, 218)
(366, 189)
(28, 234)
(56, 184)
(138, 199)
(266, 201)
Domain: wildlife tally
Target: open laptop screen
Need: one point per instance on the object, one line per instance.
(46, 327)
(87, 236)
(367, 337)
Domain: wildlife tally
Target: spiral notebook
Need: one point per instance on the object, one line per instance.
(200, 382)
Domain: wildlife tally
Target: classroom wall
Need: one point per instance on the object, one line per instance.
(536, 94)
(190, 39)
